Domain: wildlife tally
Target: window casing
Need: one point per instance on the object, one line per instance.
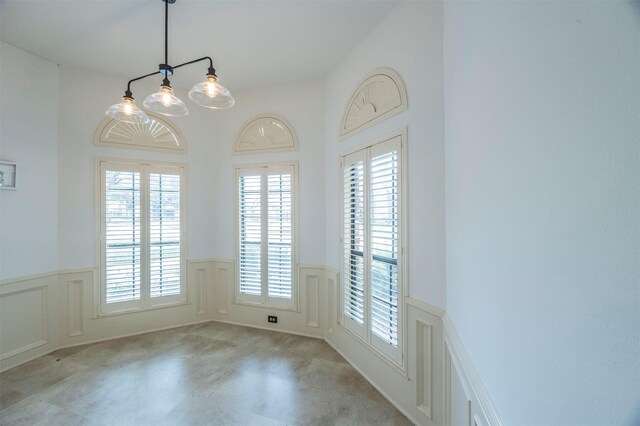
(372, 245)
(266, 253)
(141, 236)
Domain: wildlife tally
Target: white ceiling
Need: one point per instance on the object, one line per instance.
(253, 43)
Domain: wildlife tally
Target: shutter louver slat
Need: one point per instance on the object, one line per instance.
(384, 247)
(164, 235)
(122, 236)
(279, 229)
(354, 241)
(250, 235)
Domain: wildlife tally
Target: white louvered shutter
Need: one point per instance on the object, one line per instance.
(371, 265)
(165, 260)
(279, 187)
(121, 238)
(384, 205)
(354, 239)
(250, 234)
(141, 235)
(266, 235)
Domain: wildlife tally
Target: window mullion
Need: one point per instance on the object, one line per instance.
(264, 236)
(145, 265)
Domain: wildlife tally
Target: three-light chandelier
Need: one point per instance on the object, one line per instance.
(210, 93)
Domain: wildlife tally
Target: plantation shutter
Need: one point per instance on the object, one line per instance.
(122, 255)
(354, 238)
(250, 220)
(384, 246)
(265, 235)
(371, 264)
(164, 234)
(279, 235)
(141, 236)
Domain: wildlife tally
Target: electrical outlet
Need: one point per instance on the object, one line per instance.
(272, 319)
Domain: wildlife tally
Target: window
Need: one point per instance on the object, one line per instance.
(266, 249)
(372, 246)
(141, 235)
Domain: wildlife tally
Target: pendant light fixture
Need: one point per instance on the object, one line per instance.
(209, 94)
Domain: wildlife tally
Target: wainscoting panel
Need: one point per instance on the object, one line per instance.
(27, 306)
(41, 313)
(24, 318)
(468, 402)
(76, 307)
(332, 299)
(424, 367)
(201, 290)
(311, 279)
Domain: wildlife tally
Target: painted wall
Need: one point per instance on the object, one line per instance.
(82, 106)
(29, 137)
(210, 135)
(409, 40)
(543, 205)
(302, 105)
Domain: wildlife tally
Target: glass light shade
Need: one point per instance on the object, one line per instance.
(211, 94)
(166, 103)
(128, 112)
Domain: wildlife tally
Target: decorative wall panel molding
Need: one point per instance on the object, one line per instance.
(380, 95)
(24, 320)
(424, 373)
(458, 365)
(76, 307)
(311, 279)
(157, 135)
(266, 133)
(201, 289)
(332, 299)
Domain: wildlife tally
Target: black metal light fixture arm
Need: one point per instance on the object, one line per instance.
(211, 71)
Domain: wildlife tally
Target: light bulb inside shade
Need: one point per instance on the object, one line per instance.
(128, 112)
(166, 103)
(211, 94)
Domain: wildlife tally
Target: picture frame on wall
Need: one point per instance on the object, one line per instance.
(8, 171)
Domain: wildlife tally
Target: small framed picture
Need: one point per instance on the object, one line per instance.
(7, 175)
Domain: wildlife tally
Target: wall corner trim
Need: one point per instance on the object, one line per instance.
(462, 361)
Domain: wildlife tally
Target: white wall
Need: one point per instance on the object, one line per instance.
(543, 205)
(84, 96)
(29, 137)
(409, 40)
(301, 104)
(210, 135)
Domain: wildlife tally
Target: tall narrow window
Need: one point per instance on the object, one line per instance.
(141, 236)
(372, 272)
(265, 226)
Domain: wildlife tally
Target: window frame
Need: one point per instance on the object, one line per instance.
(396, 358)
(146, 302)
(264, 300)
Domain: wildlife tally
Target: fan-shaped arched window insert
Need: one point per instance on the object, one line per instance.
(266, 133)
(380, 95)
(157, 135)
